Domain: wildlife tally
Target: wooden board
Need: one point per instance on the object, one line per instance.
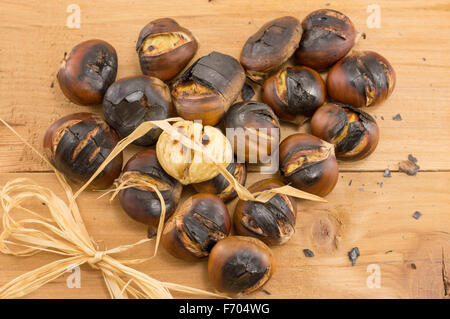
(412, 255)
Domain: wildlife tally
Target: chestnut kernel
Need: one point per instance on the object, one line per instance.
(87, 72)
(165, 48)
(272, 45)
(240, 265)
(328, 35)
(294, 93)
(353, 132)
(308, 163)
(77, 145)
(197, 225)
(272, 222)
(361, 79)
(133, 100)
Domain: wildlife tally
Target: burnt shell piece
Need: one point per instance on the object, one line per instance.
(272, 222)
(361, 79)
(77, 145)
(131, 101)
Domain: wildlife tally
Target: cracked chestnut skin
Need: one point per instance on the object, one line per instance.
(133, 100)
(87, 72)
(142, 203)
(240, 265)
(272, 222)
(328, 35)
(197, 225)
(354, 132)
(361, 79)
(294, 93)
(77, 145)
(165, 62)
(308, 163)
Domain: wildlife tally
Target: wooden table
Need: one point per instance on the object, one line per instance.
(374, 213)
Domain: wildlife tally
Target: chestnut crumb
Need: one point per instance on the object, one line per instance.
(408, 167)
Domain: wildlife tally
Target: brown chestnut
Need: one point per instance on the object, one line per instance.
(361, 79)
(77, 145)
(207, 89)
(328, 35)
(142, 202)
(272, 222)
(308, 163)
(353, 132)
(240, 265)
(253, 130)
(197, 225)
(165, 48)
(272, 45)
(87, 72)
(294, 93)
(133, 100)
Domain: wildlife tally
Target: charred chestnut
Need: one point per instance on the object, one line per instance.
(141, 202)
(165, 48)
(361, 79)
(294, 93)
(207, 89)
(131, 101)
(240, 265)
(272, 45)
(328, 35)
(272, 222)
(77, 145)
(87, 72)
(353, 132)
(308, 163)
(197, 225)
(253, 129)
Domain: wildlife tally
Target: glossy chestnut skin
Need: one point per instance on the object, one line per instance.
(354, 132)
(197, 225)
(133, 100)
(294, 93)
(239, 265)
(220, 186)
(165, 48)
(361, 79)
(256, 130)
(272, 222)
(272, 45)
(141, 202)
(207, 89)
(328, 35)
(87, 72)
(308, 163)
(77, 144)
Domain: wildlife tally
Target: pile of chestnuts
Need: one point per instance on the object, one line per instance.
(288, 59)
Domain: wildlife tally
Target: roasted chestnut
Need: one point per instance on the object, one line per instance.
(220, 186)
(272, 222)
(294, 93)
(328, 35)
(165, 48)
(207, 89)
(87, 72)
(187, 165)
(131, 101)
(141, 202)
(308, 163)
(240, 265)
(272, 45)
(253, 129)
(361, 79)
(353, 132)
(77, 145)
(197, 225)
